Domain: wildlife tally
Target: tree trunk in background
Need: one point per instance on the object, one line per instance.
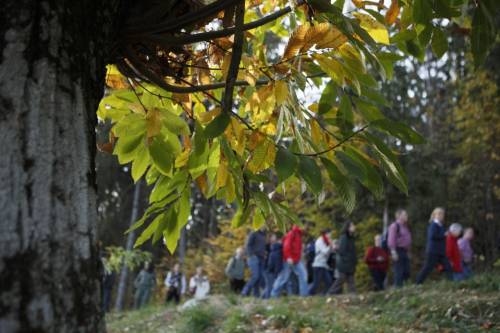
(122, 284)
(385, 217)
(51, 80)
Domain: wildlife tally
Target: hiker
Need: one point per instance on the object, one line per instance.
(235, 271)
(466, 252)
(256, 251)
(144, 284)
(332, 259)
(199, 285)
(399, 243)
(320, 267)
(176, 285)
(274, 263)
(309, 255)
(453, 252)
(377, 260)
(108, 281)
(292, 255)
(346, 260)
(435, 252)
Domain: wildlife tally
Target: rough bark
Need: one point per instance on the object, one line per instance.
(51, 79)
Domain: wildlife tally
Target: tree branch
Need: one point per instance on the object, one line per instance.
(235, 57)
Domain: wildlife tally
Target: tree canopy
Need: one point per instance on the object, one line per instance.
(244, 98)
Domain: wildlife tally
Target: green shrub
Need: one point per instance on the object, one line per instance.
(197, 319)
(236, 322)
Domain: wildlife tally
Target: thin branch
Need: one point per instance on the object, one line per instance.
(204, 36)
(336, 145)
(235, 57)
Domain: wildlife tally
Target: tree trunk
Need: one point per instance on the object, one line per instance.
(122, 284)
(51, 80)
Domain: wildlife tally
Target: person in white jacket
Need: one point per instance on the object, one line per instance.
(176, 284)
(199, 286)
(321, 270)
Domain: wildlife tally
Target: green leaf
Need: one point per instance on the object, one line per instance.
(344, 186)
(161, 155)
(422, 11)
(174, 123)
(424, 36)
(311, 173)
(241, 216)
(198, 159)
(399, 130)
(258, 219)
(345, 110)
(217, 126)
(177, 221)
(164, 186)
(442, 8)
(149, 231)
(369, 111)
(373, 181)
(285, 164)
(353, 168)
(439, 43)
(483, 33)
(390, 163)
(128, 144)
(328, 97)
(140, 163)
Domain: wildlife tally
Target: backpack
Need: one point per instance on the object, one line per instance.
(385, 237)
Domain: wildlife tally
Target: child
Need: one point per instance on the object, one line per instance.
(466, 252)
(377, 260)
(453, 252)
(176, 284)
(199, 286)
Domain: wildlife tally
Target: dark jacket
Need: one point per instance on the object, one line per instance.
(346, 259)
(436, 239)
(256, 244)
(275, 259)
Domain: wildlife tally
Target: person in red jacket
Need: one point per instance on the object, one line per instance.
(292, 255)
(377, 260)
(453, 252)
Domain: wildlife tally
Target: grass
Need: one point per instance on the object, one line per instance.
(469, 306)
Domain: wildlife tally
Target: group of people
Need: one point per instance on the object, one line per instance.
(285, 264)
(175, 283)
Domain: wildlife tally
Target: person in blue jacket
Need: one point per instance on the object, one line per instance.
(256, 252)
(435, 252)
(274, 263)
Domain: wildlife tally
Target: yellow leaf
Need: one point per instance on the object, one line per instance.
(374, 28)
(115, 79)
(313, 107)
(316, 133)
(262, 157)
(221, 175)
(332, 39)
(392, 12)
(206, 117)
(332, 67)
(358, 3)
(230, 189)
(296, 42)
(315, 35)
(269, 128)
(153, 121)
(182, 159)
(280, 92)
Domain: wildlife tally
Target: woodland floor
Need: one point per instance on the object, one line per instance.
(469, 306)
